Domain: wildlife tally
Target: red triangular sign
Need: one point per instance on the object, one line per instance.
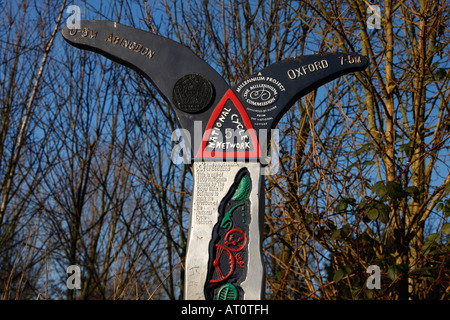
(215, 136)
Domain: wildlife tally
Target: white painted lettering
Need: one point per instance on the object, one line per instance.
(309, 68)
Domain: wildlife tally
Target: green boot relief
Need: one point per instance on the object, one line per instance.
(242, 190)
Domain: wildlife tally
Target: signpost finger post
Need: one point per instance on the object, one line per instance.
(226, 129)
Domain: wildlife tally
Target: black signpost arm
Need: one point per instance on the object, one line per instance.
(198, 93)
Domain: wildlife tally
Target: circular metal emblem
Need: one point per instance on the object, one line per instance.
(260, 94)
(192, 93)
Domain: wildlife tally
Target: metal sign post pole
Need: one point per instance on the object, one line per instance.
(224, 250)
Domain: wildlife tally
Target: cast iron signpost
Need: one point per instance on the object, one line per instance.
(226, 129)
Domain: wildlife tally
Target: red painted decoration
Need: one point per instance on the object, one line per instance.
(235, 240)
(216, 264)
